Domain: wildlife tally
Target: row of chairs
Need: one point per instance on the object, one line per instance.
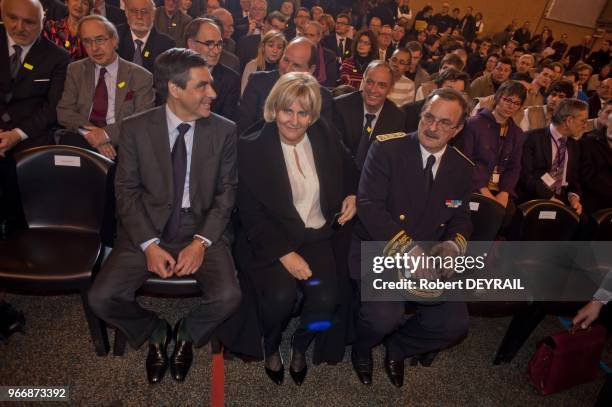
(63, 193)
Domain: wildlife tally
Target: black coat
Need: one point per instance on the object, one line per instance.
(115, 15)
(254, 98)
(349, 116)
(329, 42)
(29, 102)
(412, 111)
(226, 83)
(156, 44)
(596, 171)
(331, 68)
(246, 48)
(537, 160)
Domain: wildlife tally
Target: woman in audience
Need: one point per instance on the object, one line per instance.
(479, 24)
(64, 32)
(270, 50)
(364, 50)
(185, 5)
(297, 183)
(489, 65)
(495, 143)
(327, 23)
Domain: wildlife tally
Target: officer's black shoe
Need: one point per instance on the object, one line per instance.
(363, 366)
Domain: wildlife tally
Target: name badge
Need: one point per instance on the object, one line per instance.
(548, 180)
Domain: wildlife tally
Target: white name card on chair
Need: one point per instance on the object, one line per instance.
(474, 206)
(67, 161)
(547, 215)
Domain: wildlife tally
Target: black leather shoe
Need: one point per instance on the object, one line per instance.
(298, 376)
(157, 358)
(395, 371)
(363, 367)
(181, 358)
(277, 376)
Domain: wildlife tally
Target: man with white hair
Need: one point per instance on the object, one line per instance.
(139, 41)
(32, 74)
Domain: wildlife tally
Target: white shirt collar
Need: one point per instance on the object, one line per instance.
(425, 154)
(555, 132)
(144, 39)
(24, 48)
(111, 68)
(174, 121)
(377, 113)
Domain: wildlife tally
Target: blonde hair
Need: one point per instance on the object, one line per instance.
(271, 35)
(299, 87)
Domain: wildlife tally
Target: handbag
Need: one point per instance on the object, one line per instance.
(566, 359)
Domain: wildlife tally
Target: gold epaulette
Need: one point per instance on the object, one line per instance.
(464, 156)
(396, 243)
(390, 136)
(461, 242)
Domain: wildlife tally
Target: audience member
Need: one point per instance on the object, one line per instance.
(339, 41)
(170, 20)
(537, 117)
(402, 91)
(270, 51)
(363, 52)
(64, 32)
(488, 84)
(326, 71)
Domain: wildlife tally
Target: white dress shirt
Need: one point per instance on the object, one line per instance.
(425, 155)
(304, 181)
(110, 79)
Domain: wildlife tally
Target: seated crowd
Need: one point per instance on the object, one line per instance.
(258, 144)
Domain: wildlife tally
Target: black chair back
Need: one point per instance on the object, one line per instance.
(544, 220)
(603, 218)
(63, 187)
(487, 215)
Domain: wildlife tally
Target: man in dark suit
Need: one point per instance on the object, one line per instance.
(253, 21)
(32, 74)
(404, 192)
(112, 12)
(339, 42)
(551, 157)
(173, 210)
(361, 116)
(204, 37)
(139, 42)
(326, 71)
(602, 95)
(93, 105)
(299, 56)
(596, 164)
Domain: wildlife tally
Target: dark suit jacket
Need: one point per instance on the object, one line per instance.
(54, 9)
(594, 105)
(329, 42)
(349, 116)
(134, 96)
(246, 48)
(255, 94)
(412, 111)
(331, 68)
(226, 82)
(144, 186)
(265, 204)
(115, 15)
(29, 102)
(230, 60)
(596, 171)
(537, 160)
(156, 44)
(391, 198)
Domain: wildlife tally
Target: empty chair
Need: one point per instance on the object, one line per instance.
(63, 193)
(487, 216)
(544, 220)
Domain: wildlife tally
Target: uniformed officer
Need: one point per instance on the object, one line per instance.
(414, 186)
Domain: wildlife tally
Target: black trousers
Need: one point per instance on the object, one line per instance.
(112, 295)
(277, 293)
(433, 327)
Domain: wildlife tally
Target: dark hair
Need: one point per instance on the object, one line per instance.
(414, 46)
(275, 15)
(345, 16)
(545, 64)
(510, 88)
(454, 60)
(451, 95)
(505, 61)
(193, 27)
(566, 108)
(173, 66)
(561, 86)
(452, 74)
(372, 37)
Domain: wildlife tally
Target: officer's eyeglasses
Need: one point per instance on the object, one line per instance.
(210, 44)
(443, 124)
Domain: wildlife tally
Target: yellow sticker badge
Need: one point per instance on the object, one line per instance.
(67, 44)
(146, 54)
(173, 24)
(28, 66)
(121, 85)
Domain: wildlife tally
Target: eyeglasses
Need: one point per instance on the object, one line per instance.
(514, 103)
(135, 12)
(88, 42)
(361, 42)
(399, 61)
(210, 43)
(443, 124)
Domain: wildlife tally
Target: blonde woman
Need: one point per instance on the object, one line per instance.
(270, 50)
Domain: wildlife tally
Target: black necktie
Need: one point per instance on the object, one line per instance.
(179, 171)
(428, 172)
(15, 61)
(341, 48)
(364, 142)
(367, 129)
(138, 53)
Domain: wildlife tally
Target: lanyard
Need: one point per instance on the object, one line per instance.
(503, 131)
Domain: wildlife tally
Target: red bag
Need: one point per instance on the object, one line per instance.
(566, 359)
